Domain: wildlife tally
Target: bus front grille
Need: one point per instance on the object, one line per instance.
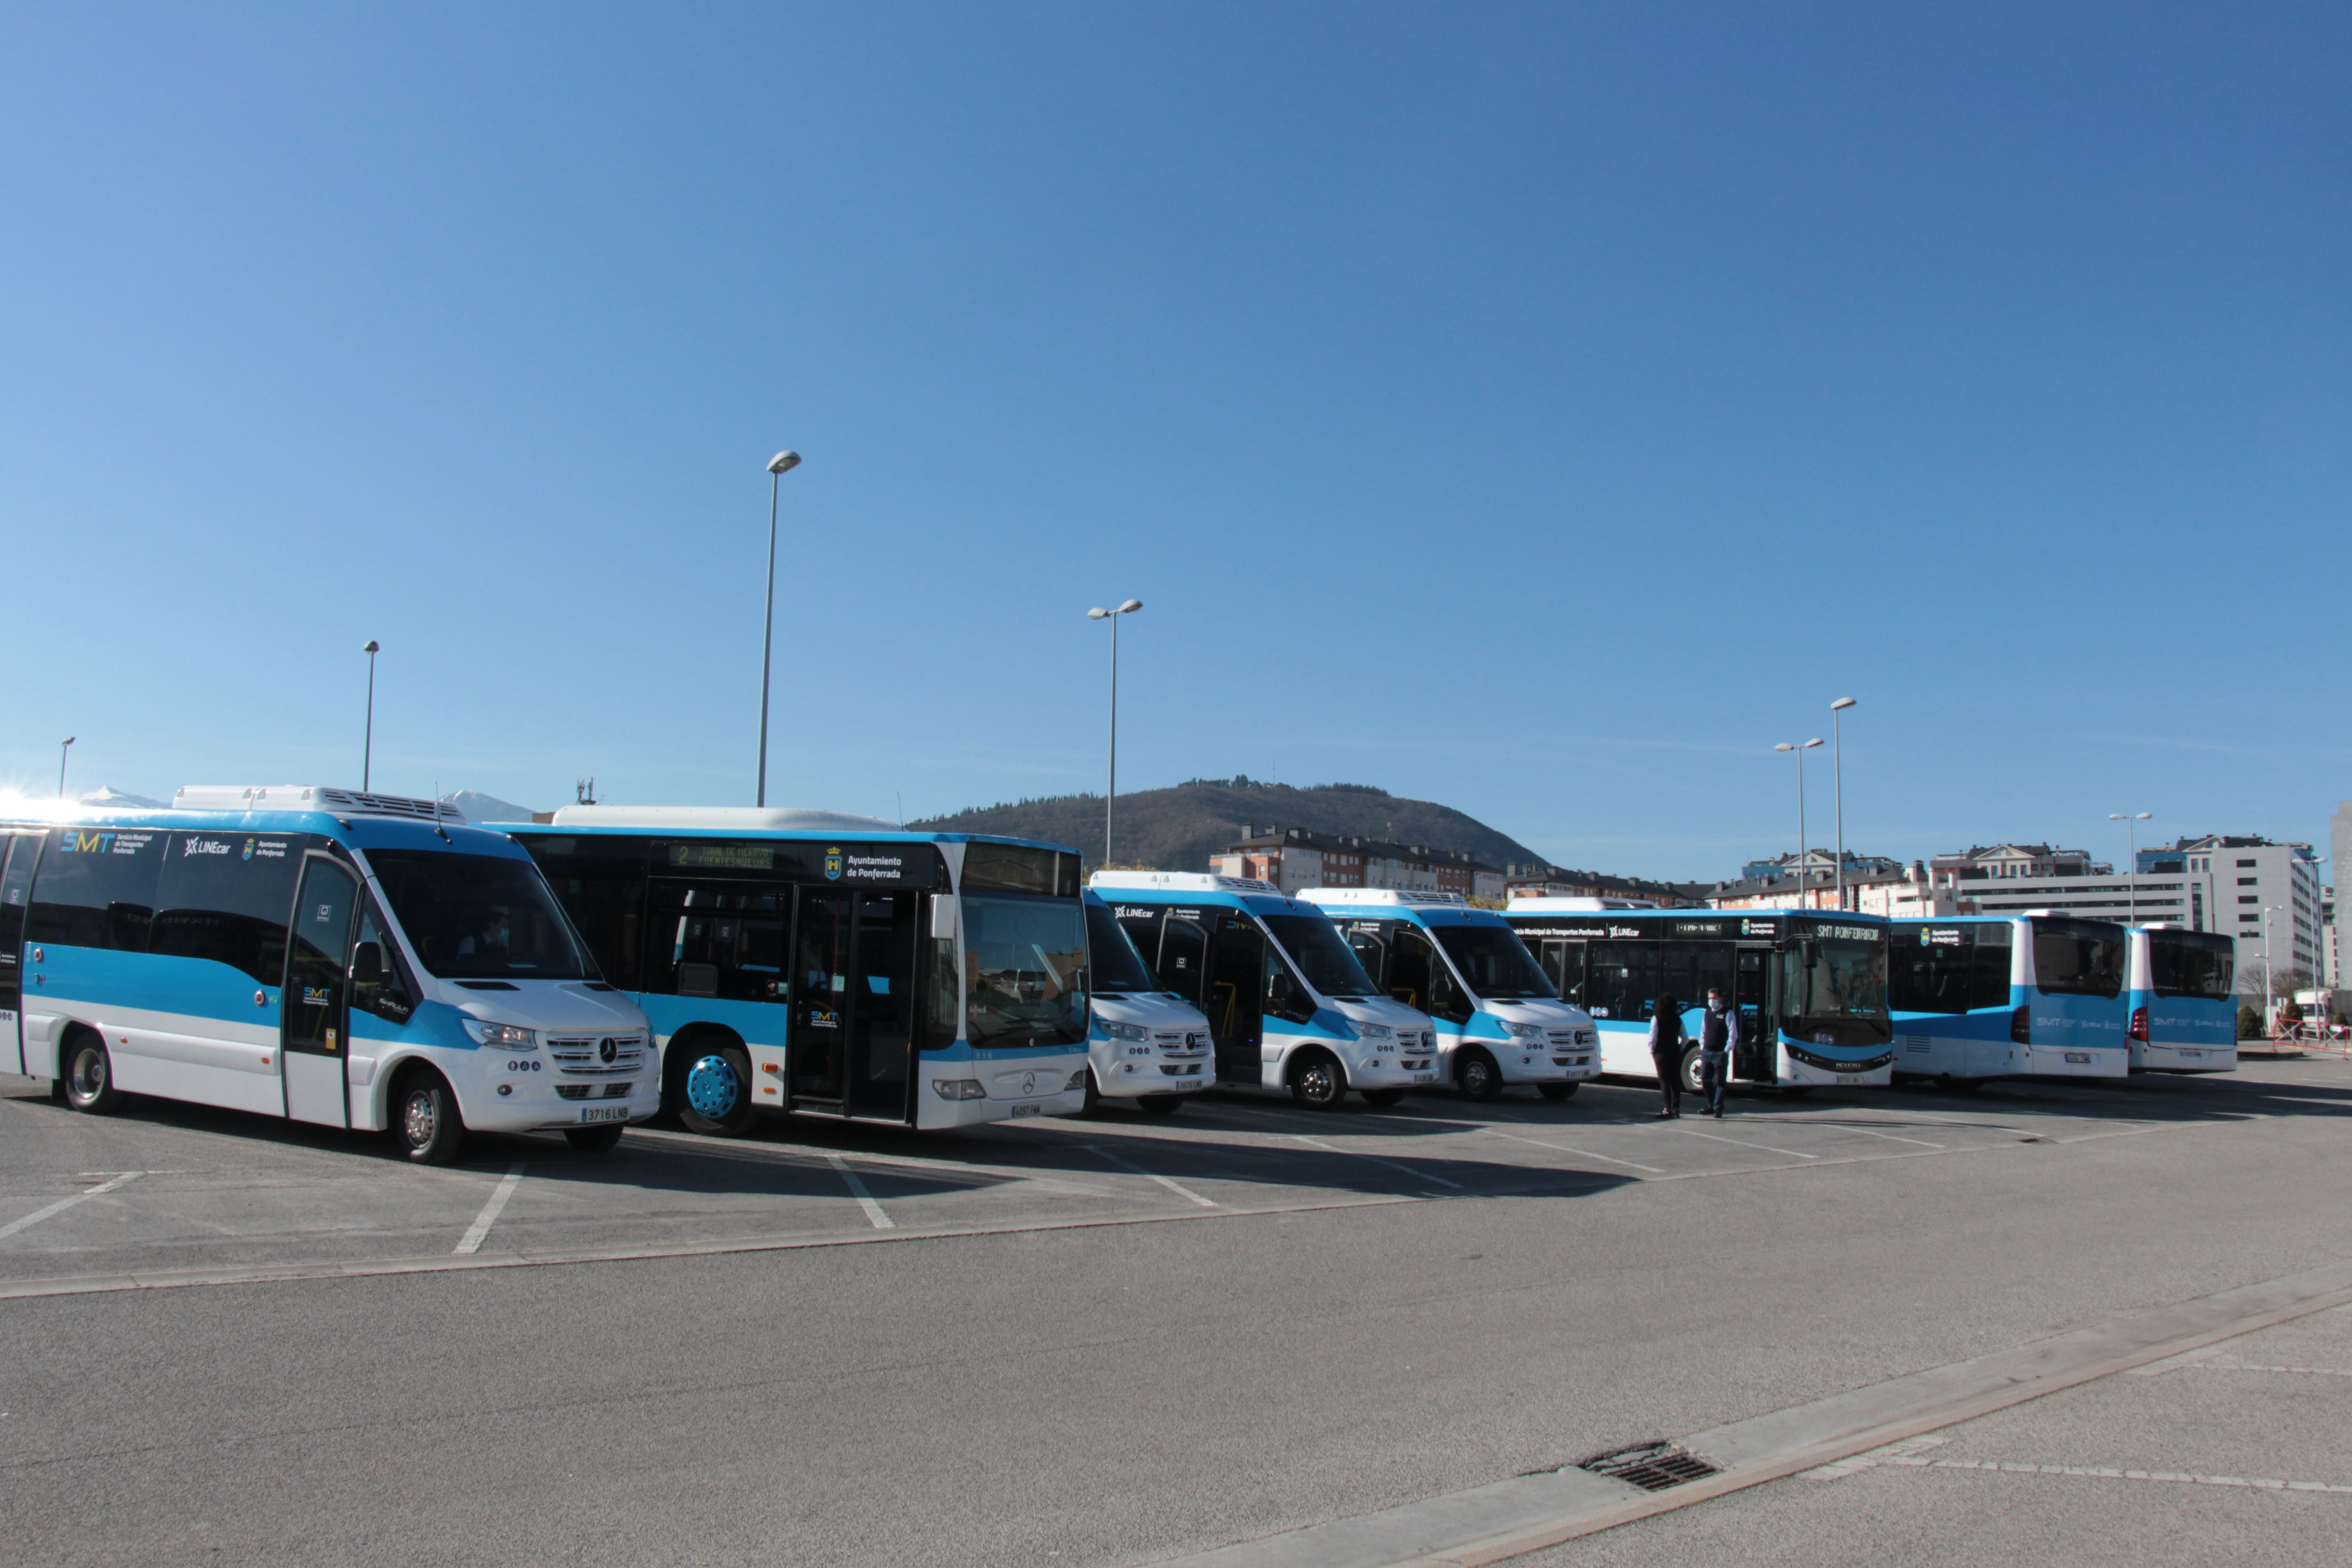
(597, 1056)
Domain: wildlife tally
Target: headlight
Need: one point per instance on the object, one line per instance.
(1077, 1081)
(1126, 1031)
(1524, 1031)
(958, 1089)
(1374, 1031)
(501, 1036)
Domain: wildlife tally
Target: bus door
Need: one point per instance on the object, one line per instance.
(1750, 980)
(314, 1032)
(17, 853)
(1564, 963)
(851, 1039)
(1233, 997)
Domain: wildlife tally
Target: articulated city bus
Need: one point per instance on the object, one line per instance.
(1149, 1047)
(832, 964)
(1289, 1008)
(1499, 1020)
(1809, 986)
(1983, 997)
(325, 955)
(2184, 1010)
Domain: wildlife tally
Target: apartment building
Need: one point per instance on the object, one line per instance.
(1296, 857)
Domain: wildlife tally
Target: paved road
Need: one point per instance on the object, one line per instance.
(1101, 1341)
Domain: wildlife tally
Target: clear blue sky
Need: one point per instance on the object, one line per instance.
(1539, 409)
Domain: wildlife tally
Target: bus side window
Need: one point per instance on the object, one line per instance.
(1372, 953)
(1447, 1000)
(97, 888)
(1182, 947)
(1564, 962)
(380, 978)
(1409, 968)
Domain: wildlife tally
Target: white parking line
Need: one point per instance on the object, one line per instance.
(865, 1199)
(1895, 1137)
(480, 1229)
(1179, 1188)
(1375, 1159)
(1792, 1153)
(1584, 1154)
(37, 1216)
(2106, 1473)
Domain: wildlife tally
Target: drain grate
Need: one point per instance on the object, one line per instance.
(1652, 1467)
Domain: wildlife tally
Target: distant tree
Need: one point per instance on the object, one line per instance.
(2249, 1023)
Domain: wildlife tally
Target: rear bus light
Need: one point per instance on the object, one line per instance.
(2140, 1023)
(2021, 1026)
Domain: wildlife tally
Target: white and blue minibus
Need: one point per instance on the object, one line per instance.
(2184, 1009)
(1982, 996)
(326, 955)
(1289, 1008)
(836, 965)
(1499, 1020)
(1809, 986)
(1148, 1048)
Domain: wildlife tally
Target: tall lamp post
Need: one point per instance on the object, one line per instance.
(1111, 792)
(65, 750)
(779, 465)
(1837, 762)
(2131, 852)
(367, 747)
(1801, 751)
(2268, 909)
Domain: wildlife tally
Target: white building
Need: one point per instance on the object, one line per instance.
(1296, 857)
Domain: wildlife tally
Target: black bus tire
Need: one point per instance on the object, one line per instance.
(1692, 1081)
(725, 1090)
(90, 1075)
(1317, 1081)
(1476, 1076)
(424, 1118)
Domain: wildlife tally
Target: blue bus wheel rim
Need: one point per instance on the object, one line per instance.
(711, 1086)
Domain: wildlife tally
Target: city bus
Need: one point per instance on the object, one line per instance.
(1147, 1046)
(324, 955)
(836, 965)
(2184, 1009)
(1983, 997)
(1499, 1020)
(1809, 986)
(1289, 1008)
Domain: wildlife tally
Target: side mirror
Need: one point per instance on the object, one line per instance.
(1281, 990)
(1810, 950)
(367, 964)
(944, 917)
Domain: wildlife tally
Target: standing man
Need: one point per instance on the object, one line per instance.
(1718, 1035)
(1666, 1055)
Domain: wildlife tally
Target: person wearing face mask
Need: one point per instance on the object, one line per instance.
(1719, 1034)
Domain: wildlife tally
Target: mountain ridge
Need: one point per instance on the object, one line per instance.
(1178, 828)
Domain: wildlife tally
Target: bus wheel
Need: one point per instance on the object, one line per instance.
(1384, 1096)
(717, 1096)
(1694, 1081)
(424, 1119)
(594, 1140)
(1316, 1081)
(1556, 1090)
(1475, 1074)
(1162, 1104)
(89, 1076)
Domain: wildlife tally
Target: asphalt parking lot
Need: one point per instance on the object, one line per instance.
(1123, 1340)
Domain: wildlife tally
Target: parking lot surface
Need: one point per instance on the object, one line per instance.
(1122, 1339)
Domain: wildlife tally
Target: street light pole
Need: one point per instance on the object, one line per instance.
(64, 751)
(367, 747)
(1799, 867)
(1837, 754)
(778, 467)
(1110, 792)
(2131, 850)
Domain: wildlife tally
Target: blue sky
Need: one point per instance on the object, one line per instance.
(1538, 409)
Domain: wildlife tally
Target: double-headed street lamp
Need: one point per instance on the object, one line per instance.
(1837, 762)
(779, 465)
(1111, 792)
(367, 745)
(1801, 751)
(2131, 822)
(65, 750)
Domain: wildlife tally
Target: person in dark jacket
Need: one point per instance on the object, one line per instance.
(1718, 1036)
(1666, 1055)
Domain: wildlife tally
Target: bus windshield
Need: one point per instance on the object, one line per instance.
(1118, 967)
(2074, 958)
(1024, 970)
(1837, 974)
(1325, 962)
(479, 916)
(2190, 968)
(1493, 962)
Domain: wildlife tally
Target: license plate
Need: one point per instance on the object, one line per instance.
(2081, 1057)
(1849, 1077)
(605, 1113)
(1031, 1108)
(1424, 1078)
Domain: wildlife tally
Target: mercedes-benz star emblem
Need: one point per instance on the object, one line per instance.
(606, 1050)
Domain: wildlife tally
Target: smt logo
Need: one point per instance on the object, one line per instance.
(86, 843)
(832, 864)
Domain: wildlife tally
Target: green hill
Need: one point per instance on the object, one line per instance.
(1177, 829)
